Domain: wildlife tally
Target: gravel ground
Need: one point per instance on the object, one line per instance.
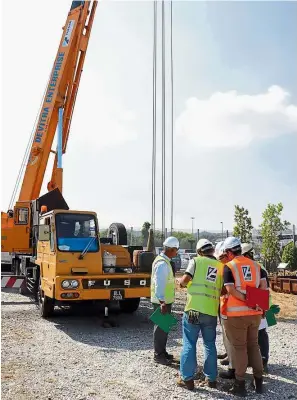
(72, 357)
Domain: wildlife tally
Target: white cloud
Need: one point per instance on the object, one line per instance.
(231, 119)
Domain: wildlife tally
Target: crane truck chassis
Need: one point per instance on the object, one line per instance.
(67, 261)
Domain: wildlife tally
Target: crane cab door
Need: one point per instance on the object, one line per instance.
(21, 229)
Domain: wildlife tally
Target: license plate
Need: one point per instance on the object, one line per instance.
(117, 295)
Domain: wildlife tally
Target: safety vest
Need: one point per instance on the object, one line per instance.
(246, 272)
(169, 294)
(206, 286)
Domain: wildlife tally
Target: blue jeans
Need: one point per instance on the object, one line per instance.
(188, 363)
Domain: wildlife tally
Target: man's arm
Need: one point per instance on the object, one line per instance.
(160, 280)
(188, 275)
(264, 282)
(229, 284)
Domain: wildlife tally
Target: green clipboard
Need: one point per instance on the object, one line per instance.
(164, 321)
(270, 318)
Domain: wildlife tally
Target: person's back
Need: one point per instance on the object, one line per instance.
(243, 322)
(206, 286)
(245, 272)
(204, 281)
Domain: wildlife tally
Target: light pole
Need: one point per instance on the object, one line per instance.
(192, 218)
(222, 230)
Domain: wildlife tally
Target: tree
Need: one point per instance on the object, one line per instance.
(271, 227)
(145, 232)
(103, 233)
(243, 224)
(290, 256)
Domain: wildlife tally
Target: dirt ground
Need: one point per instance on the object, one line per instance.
(287, 303)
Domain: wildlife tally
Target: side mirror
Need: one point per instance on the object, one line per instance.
(44, 232)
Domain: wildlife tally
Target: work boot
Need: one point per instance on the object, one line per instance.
(162, 360)
(210, 384)
(168, 356)
(207, 382)
(230, 374)
(238, 388)
(258, 384)
(221, 356)
(225, 362)
(186, 384)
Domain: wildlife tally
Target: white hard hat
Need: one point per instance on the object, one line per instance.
(232, 243)
(204, 244)
(219, 249)
(246, 247)
(171, 242)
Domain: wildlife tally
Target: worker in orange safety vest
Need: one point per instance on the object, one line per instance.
(242, 322)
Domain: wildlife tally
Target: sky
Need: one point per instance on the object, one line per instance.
(235, 108)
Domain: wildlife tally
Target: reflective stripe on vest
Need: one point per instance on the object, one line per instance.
(169, 294)
(205, 288)
(245, 272)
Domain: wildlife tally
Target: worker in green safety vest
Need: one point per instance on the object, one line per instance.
(263, 339)
(204, 281)
(163, 295)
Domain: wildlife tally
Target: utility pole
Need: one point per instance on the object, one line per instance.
(192, 218)
(198, 234)
(131, 236)
(294, 236)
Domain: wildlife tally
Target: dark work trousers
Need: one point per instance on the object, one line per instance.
(160, 337)
(263, 342)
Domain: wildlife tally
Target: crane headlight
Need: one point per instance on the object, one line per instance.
(70, 284)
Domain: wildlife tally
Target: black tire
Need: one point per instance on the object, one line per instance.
(118, 233)
(129, 306)
(46, 304)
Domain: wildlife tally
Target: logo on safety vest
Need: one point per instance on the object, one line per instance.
(247, 273)
(211, 274)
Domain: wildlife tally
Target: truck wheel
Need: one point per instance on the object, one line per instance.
(129, 306)
(118, 233)
(46, 304)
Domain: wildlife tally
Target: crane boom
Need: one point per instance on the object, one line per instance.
(17, 226)
(60, 93)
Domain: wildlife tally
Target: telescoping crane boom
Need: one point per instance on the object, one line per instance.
(59, 251)
(58, 105)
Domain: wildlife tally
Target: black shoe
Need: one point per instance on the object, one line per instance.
(258, 382)
(169, 357)
(211, 384)
(238, 388)
(221, 356)
(162, 360)
(225, 362)
(230, 374)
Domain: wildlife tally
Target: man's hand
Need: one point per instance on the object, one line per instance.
(163, 308)
(184, 280)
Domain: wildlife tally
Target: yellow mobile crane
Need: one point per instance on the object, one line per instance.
(58, 251)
